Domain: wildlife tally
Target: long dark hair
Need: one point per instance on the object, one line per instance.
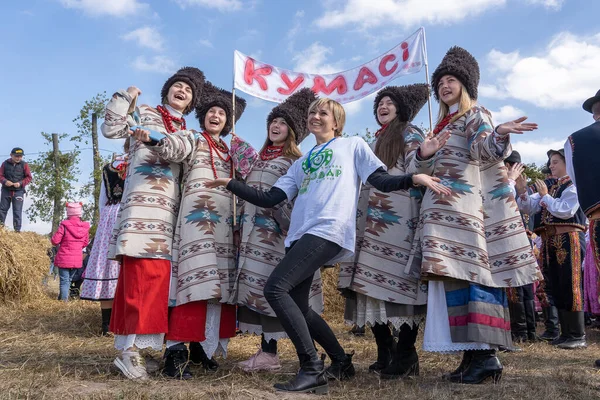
(390, 143)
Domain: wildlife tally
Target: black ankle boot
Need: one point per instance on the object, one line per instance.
(176, 363)
(484, 364)
(309, 379)
(385, 344)
(106, 312)
(341, 370)
(551, 321)
(199, 357)
(574, 331)
(464, 364)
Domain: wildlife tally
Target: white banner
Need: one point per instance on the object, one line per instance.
(272, 83)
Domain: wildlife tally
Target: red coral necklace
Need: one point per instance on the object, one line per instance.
(271, 152)
(168, 119)
(218, 147)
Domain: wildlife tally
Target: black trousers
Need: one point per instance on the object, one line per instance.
(287, 291)
(16, 198)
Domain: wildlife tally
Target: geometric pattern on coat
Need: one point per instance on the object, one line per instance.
(150, 203)
(481, 238)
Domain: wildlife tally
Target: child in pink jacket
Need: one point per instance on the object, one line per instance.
(71, 236)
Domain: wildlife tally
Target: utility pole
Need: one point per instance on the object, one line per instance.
(97, 168)
(57, 214)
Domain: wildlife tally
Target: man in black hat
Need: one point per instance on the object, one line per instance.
(582, 161)
(14, 176)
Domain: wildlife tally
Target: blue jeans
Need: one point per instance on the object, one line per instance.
(65, 275)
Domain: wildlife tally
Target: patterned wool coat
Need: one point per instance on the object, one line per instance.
(476, 234)
(263, 232)
(387, 264)
(146, 221)
(203, 260)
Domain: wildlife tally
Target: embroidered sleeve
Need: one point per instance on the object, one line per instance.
(483, 142)
(177, 146)
(117, 118)
(413, 137)
(243, 155)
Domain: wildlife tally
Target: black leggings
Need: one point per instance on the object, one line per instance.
(287, 290)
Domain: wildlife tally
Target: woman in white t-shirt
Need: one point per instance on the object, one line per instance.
(325, 184)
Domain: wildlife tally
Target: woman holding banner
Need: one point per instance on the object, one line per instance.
(204, 261)
(263, 230)
(322, 231)
(382, 286)
(473, 242)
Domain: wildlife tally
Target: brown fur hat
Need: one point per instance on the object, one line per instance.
(409, 100)
(459, 63)
(294, 110)
(214, 96)
(190, 75)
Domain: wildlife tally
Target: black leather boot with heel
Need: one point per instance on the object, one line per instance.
(309, 379)
(484, 364)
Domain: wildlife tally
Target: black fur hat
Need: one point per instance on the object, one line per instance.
(461, 64)
(409, 100)
(190, 75)
(214, 96)
(294, 110)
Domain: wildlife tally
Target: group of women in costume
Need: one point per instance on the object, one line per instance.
(425, 228)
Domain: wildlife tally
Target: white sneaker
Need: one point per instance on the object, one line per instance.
(132, 365)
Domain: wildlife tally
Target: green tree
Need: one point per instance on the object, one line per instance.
(87, 127)
(45, 186)
(368, 136)
(533, 172)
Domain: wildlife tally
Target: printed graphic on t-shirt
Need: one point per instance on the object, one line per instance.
(317, 168)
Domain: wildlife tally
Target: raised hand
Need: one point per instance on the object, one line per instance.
(217, 182)
(433, 143)
(541, 187)
(521, 184)
(517, 126)
(432, 183)
(515, 171)
(133, 91)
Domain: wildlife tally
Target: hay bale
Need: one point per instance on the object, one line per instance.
(334, 301)
(23, 264)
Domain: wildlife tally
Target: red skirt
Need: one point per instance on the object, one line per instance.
(141, 304)
(187, 322)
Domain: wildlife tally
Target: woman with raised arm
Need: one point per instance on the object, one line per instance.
(382, 286)
(204, 260)
(473, 242)
(143, 235)
(322, 231)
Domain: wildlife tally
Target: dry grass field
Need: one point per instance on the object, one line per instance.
(52, 350)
